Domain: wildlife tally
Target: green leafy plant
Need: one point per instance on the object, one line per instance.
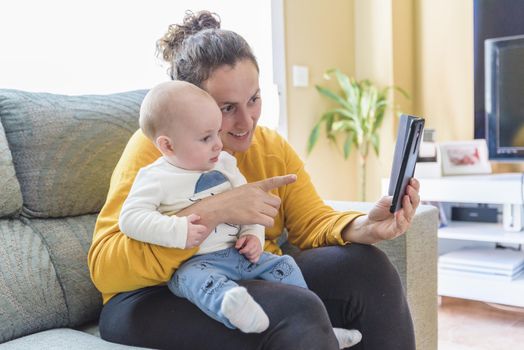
(357, 118)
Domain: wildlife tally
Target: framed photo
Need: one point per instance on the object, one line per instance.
(465, 157)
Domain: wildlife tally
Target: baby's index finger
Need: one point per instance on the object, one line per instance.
(276, 182)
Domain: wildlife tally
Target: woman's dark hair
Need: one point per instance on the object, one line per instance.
(195, 48)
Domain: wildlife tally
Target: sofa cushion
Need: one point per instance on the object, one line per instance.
(67, 241)
(10, 197)
(31, 297)
(60, 339)
(64, 148)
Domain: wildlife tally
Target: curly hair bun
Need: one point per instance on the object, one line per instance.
(177, 33)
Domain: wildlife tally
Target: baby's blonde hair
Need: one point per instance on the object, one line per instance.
(158, 111)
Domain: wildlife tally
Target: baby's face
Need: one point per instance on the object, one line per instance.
(195, 139)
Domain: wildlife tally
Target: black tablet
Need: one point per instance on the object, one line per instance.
(405, 157)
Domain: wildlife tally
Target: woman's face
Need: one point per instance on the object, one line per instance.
(237, 93)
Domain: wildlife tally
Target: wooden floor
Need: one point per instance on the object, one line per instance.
(471, 325)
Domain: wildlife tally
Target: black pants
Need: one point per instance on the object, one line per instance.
(354, 286)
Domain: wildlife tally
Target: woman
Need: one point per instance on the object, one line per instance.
(351, 285)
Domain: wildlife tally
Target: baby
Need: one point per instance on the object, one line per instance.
(183, 121)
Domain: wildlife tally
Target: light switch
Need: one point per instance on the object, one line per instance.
(300, 76)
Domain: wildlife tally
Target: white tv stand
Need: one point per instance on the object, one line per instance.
(503, 191)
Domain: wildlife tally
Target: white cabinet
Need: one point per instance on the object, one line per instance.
(502, 191)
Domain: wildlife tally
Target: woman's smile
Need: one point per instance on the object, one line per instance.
(240, 135)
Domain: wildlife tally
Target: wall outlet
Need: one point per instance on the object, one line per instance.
(300, 76)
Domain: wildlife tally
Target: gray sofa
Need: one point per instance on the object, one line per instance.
(56, 157)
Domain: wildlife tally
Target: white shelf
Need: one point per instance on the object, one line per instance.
(482, 288)
(480, 231)
(494, 189)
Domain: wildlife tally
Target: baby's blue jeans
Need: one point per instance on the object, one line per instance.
(204, 279)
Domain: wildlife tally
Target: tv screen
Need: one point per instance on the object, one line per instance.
(504, 100)
(497, 19)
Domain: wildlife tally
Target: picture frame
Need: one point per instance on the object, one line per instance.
(465, 157)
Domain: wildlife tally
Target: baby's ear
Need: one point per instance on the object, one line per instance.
(165, 145)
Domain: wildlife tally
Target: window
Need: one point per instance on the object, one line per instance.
(97, 46)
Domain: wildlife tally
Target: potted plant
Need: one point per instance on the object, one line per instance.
(357, 118)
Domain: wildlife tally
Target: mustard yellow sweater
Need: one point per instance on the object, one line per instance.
(118, 263)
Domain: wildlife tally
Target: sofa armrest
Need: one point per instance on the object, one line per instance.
(415, 256)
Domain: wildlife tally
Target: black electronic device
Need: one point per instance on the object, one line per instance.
(504, 82)
(405, 157)
(475, 214)
(498, 77)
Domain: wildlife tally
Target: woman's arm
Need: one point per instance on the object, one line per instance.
(311, 223)
(247, 204)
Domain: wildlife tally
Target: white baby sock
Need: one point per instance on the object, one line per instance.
(243, 311)
(347, 337)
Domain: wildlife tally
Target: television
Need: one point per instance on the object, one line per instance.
(498, 46)
(504, 100)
